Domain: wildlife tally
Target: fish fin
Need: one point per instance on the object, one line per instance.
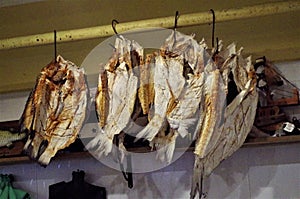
(102, 143)
(151, 129)
(165, 147)
(197, 178)
(184, 125)
(170, 148)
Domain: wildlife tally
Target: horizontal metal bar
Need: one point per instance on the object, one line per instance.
(164, 22)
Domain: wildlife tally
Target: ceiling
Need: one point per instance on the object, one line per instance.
(274, 36)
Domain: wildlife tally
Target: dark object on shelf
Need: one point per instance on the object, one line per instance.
(292, 128)
(76, 189)
(275, 89)
(268, 115)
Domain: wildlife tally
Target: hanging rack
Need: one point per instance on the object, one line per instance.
(164, 22)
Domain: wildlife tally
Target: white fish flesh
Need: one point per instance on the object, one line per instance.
(161, 100)
(215, 103)
(238, 119)
(122, 85)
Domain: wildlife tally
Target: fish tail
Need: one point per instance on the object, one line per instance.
(166, 151)
(151, 129)
(102, 143)
(197, 179)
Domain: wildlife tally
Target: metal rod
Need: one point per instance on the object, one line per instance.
(213, 28)
(55, 50)
(164, 22)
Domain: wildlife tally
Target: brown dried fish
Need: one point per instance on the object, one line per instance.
(101, 98)
(144, 88)
(238, 120)
(215, 103)
(55, 110)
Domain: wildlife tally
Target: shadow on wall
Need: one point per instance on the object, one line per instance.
(260, 172)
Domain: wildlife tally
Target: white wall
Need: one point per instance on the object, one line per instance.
(265, 172)
(269, 172)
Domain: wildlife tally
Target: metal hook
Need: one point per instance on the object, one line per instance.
(113, 25)
(176, 19)
(55, 50)
(175, 26)
(213, 29)
(127, 174)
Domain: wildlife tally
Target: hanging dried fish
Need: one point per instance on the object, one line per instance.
(122, 83)
(185, 52)
(161, 100)
(215, 103)
(234, 129)
(168, 84)
(55, 110)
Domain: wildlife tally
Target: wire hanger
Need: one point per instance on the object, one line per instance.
(213, 34)
(55, 49)
(114, 22)
(127, 174)
(213, 28)
(176, 20)
(175, 26)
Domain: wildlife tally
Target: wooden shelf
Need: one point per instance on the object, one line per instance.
(272, 140)
(254, 142)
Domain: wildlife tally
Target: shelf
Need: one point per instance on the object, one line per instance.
(272, 140)
(253, 142)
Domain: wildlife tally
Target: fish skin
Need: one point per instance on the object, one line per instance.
(182, 112)
(164, 143)
(7, 137)
(239, 72)
(234, 129)
(144, 88)
(101, 98)
(161, 100)
(56, 110)
(122, 101)
(215, 103)
(183, 115)
(122, 85)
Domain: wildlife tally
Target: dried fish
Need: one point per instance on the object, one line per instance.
(164, 143)
(55, 110)
(122, 85)
(183, 115)
(161, 100)
(233, 131)
(183, 109)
